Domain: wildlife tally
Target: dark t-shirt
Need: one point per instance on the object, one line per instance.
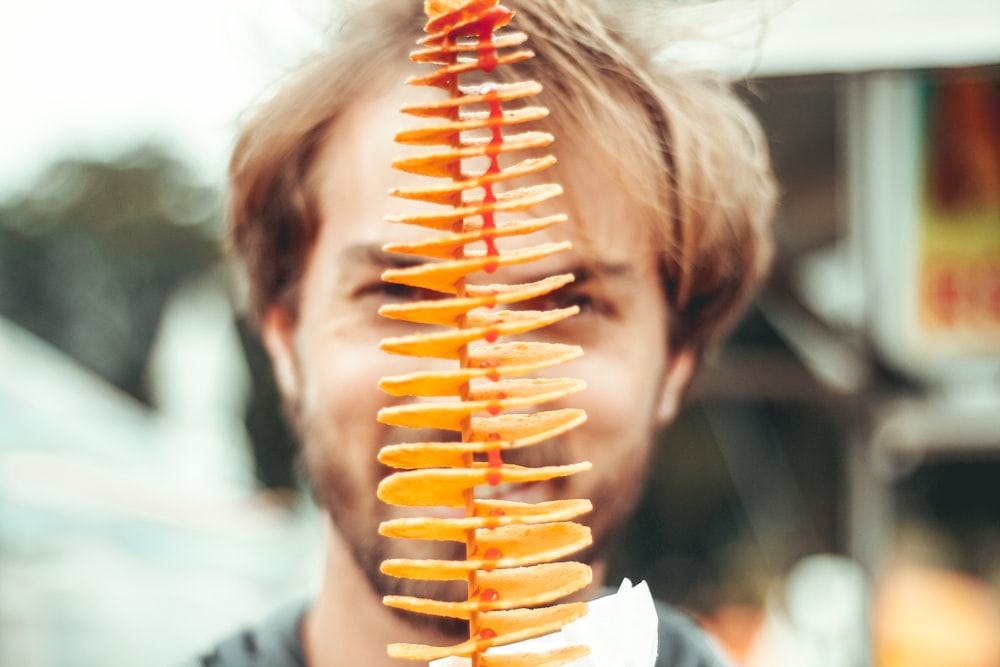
(277, 642)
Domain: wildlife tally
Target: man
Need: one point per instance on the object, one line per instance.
(669, 194)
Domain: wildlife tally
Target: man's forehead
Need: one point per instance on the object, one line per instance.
(604, 224)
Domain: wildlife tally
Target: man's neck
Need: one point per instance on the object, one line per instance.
(349, 625)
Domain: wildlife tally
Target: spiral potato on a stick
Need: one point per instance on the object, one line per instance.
(512, 548)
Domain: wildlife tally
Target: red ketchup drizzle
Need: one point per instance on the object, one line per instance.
(487, 50)
(493, 375)
(495, 408)
(491, 522)
(485, 635)
(495, 460)
(492, 554)
(487, 60)
(489, 198)
(491, 335)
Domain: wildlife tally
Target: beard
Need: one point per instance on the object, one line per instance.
(369, 549)
(356, 512)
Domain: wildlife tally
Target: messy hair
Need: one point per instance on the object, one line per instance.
(678, 141)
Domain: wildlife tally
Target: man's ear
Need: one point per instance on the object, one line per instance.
(676, 377)
(278, 334)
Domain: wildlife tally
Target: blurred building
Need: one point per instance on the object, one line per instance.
(852, 425)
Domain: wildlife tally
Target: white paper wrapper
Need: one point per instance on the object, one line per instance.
(621, 630)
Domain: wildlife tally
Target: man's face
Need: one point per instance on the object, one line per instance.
(328, 360)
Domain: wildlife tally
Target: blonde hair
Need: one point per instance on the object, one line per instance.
(680, 142)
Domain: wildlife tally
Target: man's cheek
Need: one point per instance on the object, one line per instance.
(609, 399)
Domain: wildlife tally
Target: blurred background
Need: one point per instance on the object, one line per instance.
(830, 495)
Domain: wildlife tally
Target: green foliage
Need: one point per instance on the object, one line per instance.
(89, 255)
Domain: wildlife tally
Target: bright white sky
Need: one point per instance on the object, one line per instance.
(96, 77)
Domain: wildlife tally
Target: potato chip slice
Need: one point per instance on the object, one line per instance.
(446, 312)
(510, 626)
(524, 388)
(446, 345)
(552, 658)
(499, 548)
(521, 354)
(446, 16)
(492, 507)
(445, 276)
(492, 398)
(516, 427)
(445, 487)
(501, 360)
(415, 455)
(442, 77)
(490, 514)
(452, 246)
(514, 201)
(510, 546)
(445, 133)
(439, 163)
(531, 586)
(425, 653)
(445, 107)
(511, 588)
(435, 53)
(518, 624)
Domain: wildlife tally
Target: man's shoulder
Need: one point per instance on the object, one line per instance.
(274, 642)
(682, 642)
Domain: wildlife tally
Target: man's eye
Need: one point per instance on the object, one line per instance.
(395, 292)
(560, 299)
(584, 302)
(587, 303)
